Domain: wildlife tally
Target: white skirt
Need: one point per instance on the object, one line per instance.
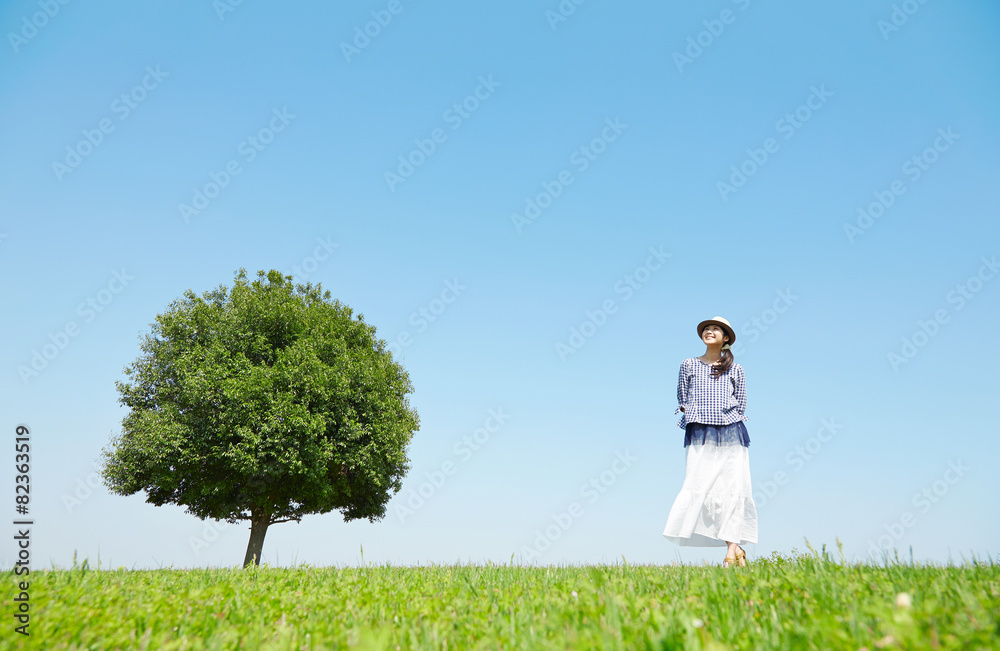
(715, 504)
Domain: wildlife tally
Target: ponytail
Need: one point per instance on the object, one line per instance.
(724, 364)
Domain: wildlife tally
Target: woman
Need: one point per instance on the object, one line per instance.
(715, 506)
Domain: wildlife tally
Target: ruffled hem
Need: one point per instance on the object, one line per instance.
(691, 415)
(700, 520)
(722, 435)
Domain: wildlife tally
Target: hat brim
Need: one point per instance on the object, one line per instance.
(725, 328)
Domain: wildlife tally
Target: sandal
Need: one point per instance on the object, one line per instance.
(740, 559)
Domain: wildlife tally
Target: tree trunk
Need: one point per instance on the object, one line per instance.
(258, 528)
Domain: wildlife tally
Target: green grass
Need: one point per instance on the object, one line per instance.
(798, 602)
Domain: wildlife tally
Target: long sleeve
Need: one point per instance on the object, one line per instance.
(682, 394)
(741, 392)
(682, 386)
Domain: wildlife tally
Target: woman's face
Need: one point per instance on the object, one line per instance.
(713, 334)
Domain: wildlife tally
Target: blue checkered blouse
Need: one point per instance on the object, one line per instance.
(708, 400)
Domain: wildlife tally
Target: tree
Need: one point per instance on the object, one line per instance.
(263, 403)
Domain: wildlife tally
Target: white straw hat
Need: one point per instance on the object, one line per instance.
(722, 323)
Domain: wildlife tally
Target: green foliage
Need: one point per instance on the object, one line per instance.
(263, 402)
(801, 602)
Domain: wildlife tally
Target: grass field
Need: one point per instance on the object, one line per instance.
(806, 601)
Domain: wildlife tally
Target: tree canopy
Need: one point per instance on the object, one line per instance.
(263, 402)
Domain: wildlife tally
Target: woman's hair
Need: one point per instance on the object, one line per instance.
(725, 362)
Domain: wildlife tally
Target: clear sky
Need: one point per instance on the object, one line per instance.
(535, 203)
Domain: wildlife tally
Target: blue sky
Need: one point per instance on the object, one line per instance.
(822, 175)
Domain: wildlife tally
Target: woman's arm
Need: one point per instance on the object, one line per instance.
(682, 387)
(740, 391)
